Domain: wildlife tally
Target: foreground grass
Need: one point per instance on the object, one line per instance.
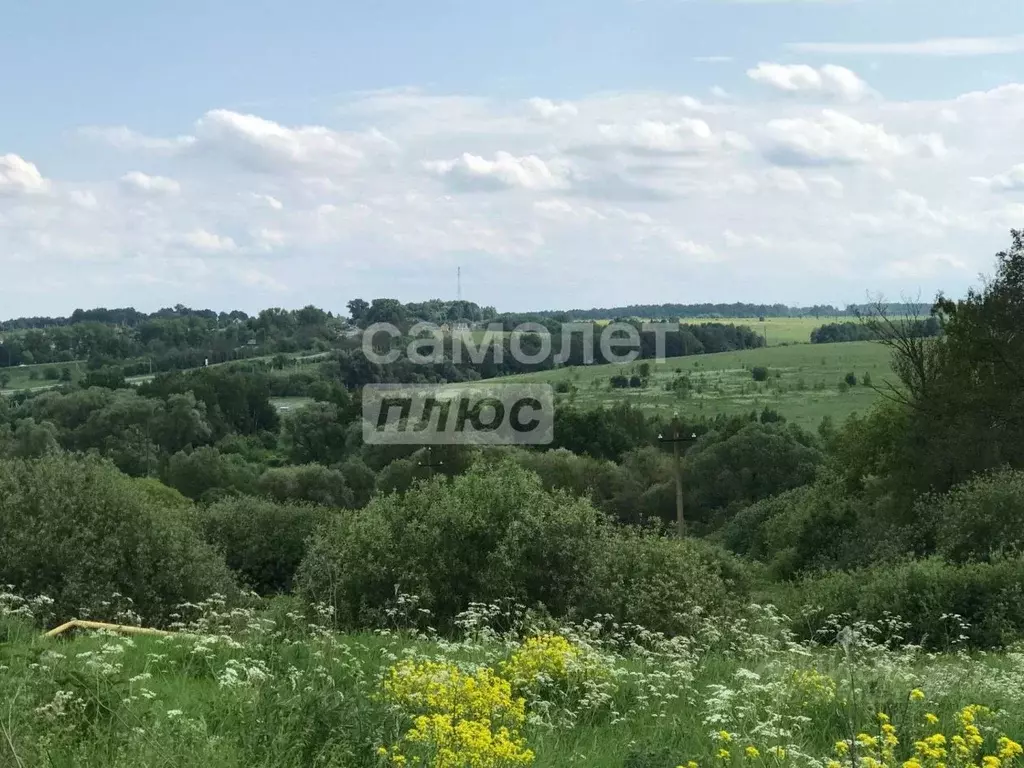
(258, 688)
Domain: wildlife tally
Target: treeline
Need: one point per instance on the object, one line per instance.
(125, 316)
(870, 331)
(436, 311)
(169, 340)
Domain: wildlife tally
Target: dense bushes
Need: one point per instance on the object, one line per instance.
(262, 541)
(979, 519)
(79, 531)
(656, 582)
(931, 595)
(496, 533)
(486, 535)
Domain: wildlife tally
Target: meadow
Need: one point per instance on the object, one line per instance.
(268, 685)
(803, 384)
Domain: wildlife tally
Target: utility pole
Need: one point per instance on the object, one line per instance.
(675, 440)
(430, 464)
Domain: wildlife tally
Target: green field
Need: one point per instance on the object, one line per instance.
(803, 383)
(34, 376)
(778, 330)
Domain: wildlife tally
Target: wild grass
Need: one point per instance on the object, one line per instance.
(266, 685)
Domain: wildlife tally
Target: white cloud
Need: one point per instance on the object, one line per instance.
(262, 145)
(835, 138)
(829, 80)
(20, 177)
(939, 46)
(472, 172)
(683, 135)
(123, 137)
(925, 265)
(627, 196)
(144, 184)
(208, 242)
(551, 110)
(1011, 181)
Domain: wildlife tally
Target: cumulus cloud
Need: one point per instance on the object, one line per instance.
(141, 183)
(663, 196)
(262, 145)
(208, 242)
(829, 80)
(1011, 181)
(506, 171)
(551, 110)
(680, 136)
(20, 177)
(835, 138)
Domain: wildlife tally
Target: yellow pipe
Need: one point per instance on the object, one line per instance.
(81, 624)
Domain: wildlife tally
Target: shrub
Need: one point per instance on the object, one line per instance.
(979, 519)
(313, 483)
(933, 596)
(851, 379)
(206, 471)
(492, 533)
(760, 373)
(646, 579)
(262, 541)
(78, 530)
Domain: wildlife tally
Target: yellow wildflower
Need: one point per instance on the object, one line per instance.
(723, 754)
(752, 752)
(917, 695)
(1008, 748)
(930, 718)
(991, 761)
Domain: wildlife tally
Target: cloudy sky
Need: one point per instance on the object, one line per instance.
(564, 153)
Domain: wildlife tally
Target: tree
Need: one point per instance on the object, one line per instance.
(759, 373)
(315, 434)
(962, 391)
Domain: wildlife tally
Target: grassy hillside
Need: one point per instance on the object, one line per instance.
(803, 382)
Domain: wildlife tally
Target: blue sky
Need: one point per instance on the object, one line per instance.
(564, 152)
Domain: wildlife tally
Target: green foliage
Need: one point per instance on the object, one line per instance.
(643, 578)
(316, 433)
(759, 373)
(78, 531)
(979, 520)
(261, 540)
(851, 379)
(729, 470)
(205, 471)
(311, 483)
(490, 534)
(932, 596)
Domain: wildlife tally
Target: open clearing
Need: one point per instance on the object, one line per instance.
(803, 382)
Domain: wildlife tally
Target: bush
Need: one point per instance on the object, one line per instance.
(643, 578)
(262, 541)
(978, 520)
(492, 533)
(77, 530)
(207, 472)
(931, 595)
(496, 533)
(760, 373)
(313, 483)
(851, 379)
